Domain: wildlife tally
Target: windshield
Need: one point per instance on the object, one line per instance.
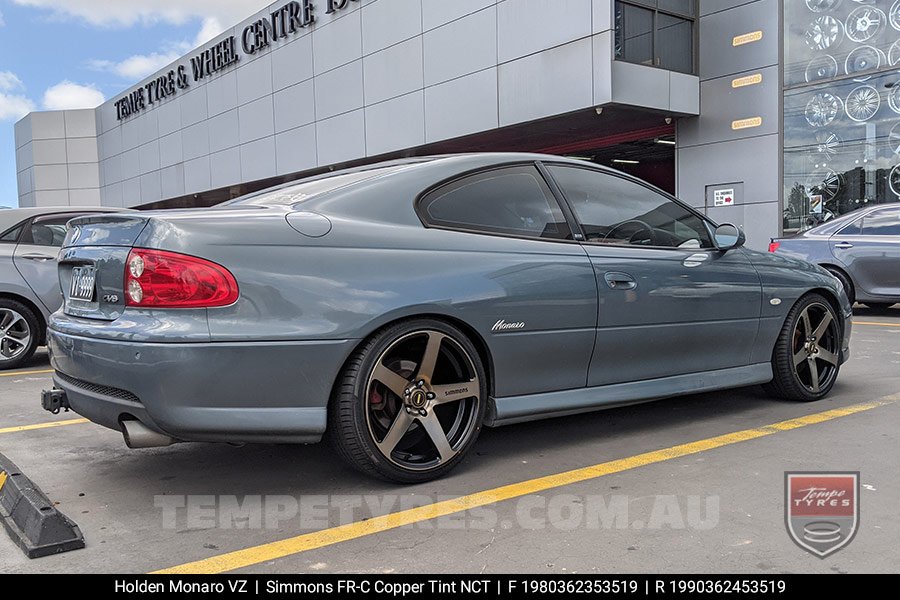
(293, 194)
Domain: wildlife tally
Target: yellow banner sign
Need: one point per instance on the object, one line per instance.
(747, 38)
(745, 81)
(746, 123)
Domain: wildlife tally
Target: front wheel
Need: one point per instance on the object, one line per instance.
(410, 402)
(19, 334)
(806, 359)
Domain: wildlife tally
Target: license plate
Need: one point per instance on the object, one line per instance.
(83, 280)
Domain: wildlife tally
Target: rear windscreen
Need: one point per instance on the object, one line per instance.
(293, 194)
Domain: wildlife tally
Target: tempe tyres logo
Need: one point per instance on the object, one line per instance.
(821, 510)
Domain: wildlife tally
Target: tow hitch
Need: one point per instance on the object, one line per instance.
(54, 400)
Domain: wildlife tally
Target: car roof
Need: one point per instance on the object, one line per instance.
(13, 216)
(831, 227)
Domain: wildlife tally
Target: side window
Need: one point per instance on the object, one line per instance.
(613, 210)
(854, 228)
(511, 201)
(47, 231)
(10, 236)
(883, 222)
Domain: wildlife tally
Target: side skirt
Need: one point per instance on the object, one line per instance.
(518, 409)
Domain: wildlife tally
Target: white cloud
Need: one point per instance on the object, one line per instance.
(139, 66)
(120, 13)
(67, 95)
(2, 22)
(13, 105)
(9, 82)
(136, 67)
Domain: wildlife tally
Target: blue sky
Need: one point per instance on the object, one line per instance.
(57, 54)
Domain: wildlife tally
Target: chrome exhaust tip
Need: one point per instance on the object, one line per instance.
(137, 435)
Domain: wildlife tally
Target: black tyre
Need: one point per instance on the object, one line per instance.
(806, 359)
(409, 403)
(846, 282)
(20, 332)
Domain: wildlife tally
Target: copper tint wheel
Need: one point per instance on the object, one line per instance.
(410, 402)
(806, 359)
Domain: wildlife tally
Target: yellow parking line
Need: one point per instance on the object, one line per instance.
(874, 324)
(311, 541)
(18, 373)
(47, 425)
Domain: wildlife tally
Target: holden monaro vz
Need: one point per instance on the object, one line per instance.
(400, 307)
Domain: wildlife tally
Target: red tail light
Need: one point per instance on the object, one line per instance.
(160, 279)
(774, 246)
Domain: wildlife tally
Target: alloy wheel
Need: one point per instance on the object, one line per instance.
(422, 400)
(815, 347)
(15, 334)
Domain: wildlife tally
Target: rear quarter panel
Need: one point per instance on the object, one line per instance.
(365, 274)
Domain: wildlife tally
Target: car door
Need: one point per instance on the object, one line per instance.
(533, 297)
(35, 256)
(669, 302)
(870, 249)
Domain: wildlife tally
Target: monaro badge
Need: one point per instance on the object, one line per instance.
(821, 510)
(502, 325)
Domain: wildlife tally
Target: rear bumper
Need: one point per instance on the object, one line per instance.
(218, 392)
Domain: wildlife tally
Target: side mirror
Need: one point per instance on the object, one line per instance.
(729, 236)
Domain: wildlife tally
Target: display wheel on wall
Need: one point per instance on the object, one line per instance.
(894, 180)
(824, 182)
(820, 68)
(822, 5)
(893, 56)
(894, 15)
(828, 144)
(862, 103)
(893, 97)
(822, 109)
(865, 23)
(894, 138)
(824, 33)
(862, 59)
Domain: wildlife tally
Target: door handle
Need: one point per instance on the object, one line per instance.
(41, 257)
(620, 281)
(843, 246)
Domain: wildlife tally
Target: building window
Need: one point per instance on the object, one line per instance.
(657, 33)
(841, 108)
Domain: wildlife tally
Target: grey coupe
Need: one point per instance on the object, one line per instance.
(861, 249)
(397, 309)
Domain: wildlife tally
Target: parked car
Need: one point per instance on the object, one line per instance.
(397, 308)
(30, 239)
(861, 249)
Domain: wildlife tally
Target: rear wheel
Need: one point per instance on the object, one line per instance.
(410, 403)
(806, 359)
(846, 282)
(19, 333)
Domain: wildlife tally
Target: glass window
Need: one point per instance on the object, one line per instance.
(634, 34)
(883, 222)
(675, 42)
(841, 108)
(614, 210)
(854, 228)
(48, 231)
(513, 201)
(11, 235)
(656, 33)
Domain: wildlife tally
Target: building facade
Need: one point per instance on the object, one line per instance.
(771, 114)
